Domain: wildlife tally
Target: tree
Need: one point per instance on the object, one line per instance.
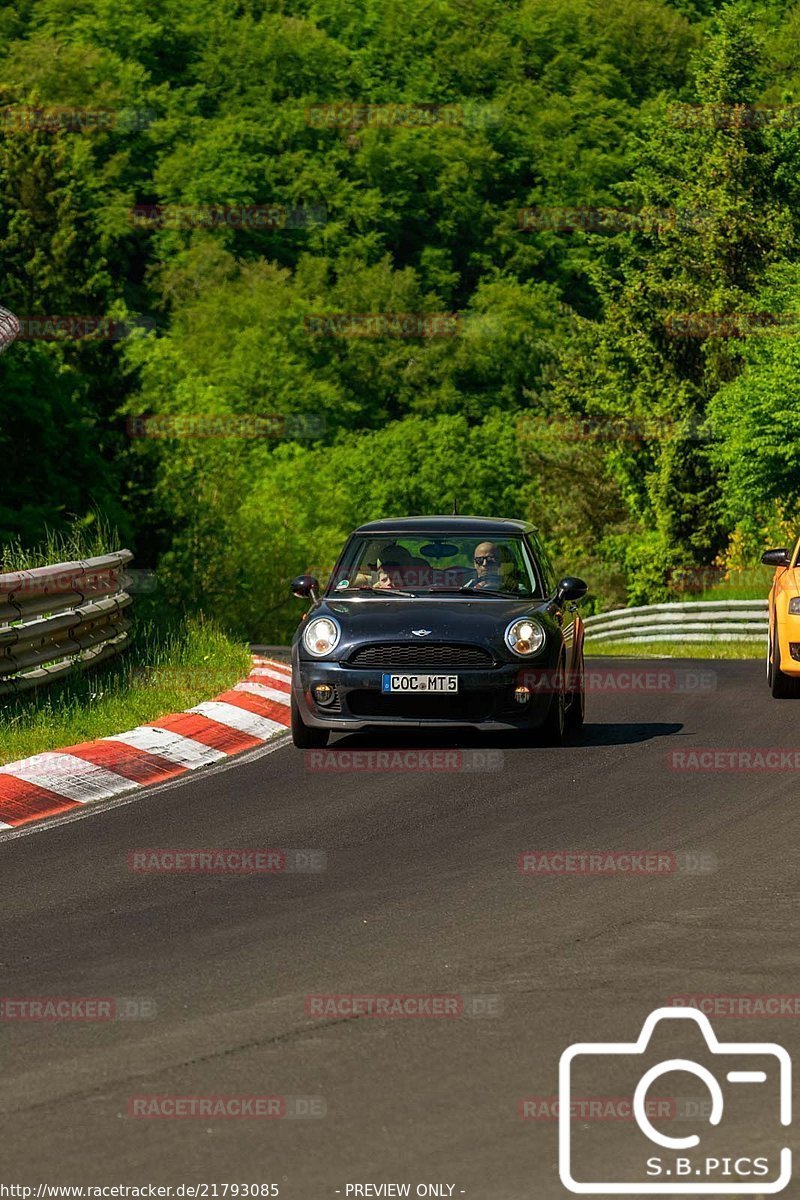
(706, 259)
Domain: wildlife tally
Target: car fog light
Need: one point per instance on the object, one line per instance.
(522, 695)
(322, 693)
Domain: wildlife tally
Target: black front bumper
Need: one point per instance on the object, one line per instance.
(485, 699)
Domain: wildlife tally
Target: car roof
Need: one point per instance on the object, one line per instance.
(441, 524)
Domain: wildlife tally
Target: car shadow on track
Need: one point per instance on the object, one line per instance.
(612, 733)
(622, 733)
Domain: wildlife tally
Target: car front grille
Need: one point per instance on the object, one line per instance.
(436, 655)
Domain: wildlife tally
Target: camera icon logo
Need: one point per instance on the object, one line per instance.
(660, 1163)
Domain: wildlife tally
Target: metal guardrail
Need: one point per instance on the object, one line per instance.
(9, 328)
(691, 621)
(62, 618)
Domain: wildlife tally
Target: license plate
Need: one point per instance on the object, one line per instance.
(411, 684)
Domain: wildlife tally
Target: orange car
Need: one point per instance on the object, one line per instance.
(783, 648)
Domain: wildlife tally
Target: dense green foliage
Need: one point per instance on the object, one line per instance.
(561, 394)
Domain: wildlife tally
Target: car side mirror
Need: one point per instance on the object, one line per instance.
(570, 588)
(305, 587)
(775, 558)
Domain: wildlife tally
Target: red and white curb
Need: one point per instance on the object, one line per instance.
(248, 715)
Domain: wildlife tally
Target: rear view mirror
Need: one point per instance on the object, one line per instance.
(775, 558)
(305, 587)
(438, 550)
(571, 588)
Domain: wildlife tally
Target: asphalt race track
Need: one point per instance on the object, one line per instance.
(422, 895)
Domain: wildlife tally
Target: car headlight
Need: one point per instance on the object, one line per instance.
(794, 606)
(321, 635)
(525, 637)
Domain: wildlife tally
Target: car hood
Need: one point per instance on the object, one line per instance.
(456, 619)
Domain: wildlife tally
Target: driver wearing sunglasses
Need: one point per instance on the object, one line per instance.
(487, 560)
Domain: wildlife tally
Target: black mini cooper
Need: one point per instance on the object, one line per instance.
(439, 621)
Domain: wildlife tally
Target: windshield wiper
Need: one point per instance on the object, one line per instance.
(377, 591)
(465, 591)
(473, 591)
(453, 591)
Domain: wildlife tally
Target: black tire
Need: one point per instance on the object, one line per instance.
(306, 737)
(782, 687)
(554, 727)
(576, 712)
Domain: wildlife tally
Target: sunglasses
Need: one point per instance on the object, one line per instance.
(481, 560)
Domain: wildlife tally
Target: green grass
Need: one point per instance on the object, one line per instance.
(86, 540)
(171, 665)
(735, 591)
(676, 649)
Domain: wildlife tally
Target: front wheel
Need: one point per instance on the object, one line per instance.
(554, 726)
(306, 737)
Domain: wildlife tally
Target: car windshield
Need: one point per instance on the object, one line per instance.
(423, 563)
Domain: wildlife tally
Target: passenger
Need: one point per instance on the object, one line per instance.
(392, 561)
(366, 573)
(390, 576)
